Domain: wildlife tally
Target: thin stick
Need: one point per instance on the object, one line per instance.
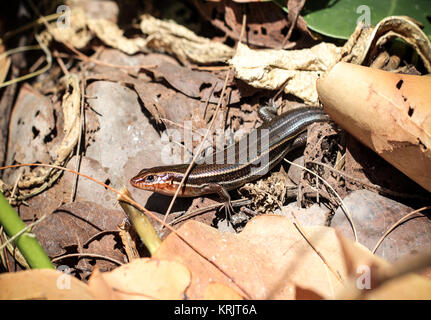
(244, 19)
(16, 185)
(343, 206)
(40, 20)
(186, 174)
(301, 230)
(61, 64)
(396, 224)
(98, 235)
(92, 255)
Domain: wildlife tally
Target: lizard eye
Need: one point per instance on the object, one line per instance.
(149, 179)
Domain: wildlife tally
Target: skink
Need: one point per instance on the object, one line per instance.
(282, 133)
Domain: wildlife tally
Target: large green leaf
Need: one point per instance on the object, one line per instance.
(338, 18)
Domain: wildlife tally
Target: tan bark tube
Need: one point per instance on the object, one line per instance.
(388, 112)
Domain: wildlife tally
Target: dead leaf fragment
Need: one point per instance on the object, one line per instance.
(267, 260)
(142, 279)
(182, 42)
(270, 69)
(112, 35)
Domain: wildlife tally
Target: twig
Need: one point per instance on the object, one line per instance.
(61, 64)
(189, 168)
(40, 20)
(98, 234)
(83, 57)
(396, 224)
(301, 230)
(92, 255)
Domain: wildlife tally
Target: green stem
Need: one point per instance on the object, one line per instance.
(27, 243)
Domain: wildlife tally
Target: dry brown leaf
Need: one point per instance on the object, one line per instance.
(390, 113)
(182, 42)
(268, 259)
(270, 69)
(142, 279)
(36, 182)
(42, 284)
(112, 35)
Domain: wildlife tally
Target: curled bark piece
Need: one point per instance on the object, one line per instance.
(390, 113)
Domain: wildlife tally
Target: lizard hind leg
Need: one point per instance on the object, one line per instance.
(225, 197)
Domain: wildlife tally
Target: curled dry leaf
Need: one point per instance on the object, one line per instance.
(390, 113)
(112, 35)
(44, 284)
(141, 279)
(270, 69)
(72, 121)
(182, 42)
(398, 27)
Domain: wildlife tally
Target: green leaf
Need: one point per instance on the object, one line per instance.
(338, 18)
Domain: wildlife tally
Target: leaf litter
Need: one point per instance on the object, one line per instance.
(124, 112)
